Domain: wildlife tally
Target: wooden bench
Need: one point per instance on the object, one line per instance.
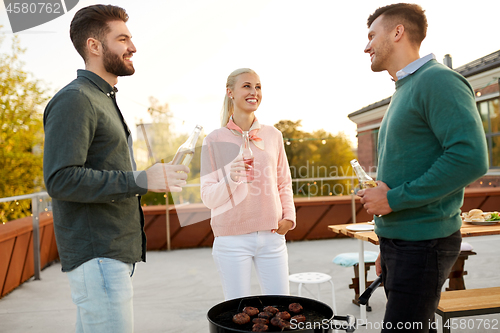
(470, 302)
(456, 277)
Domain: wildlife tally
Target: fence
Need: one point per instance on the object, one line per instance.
(313, 214)
(39, 203)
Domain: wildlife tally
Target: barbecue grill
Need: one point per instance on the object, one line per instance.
(319, 316)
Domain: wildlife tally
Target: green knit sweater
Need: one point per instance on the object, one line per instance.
(431, 145)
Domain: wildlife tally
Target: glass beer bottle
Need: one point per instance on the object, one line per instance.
(247, 154)
(185, 152)
(365, 181)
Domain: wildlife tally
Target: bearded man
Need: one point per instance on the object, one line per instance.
(90, 173)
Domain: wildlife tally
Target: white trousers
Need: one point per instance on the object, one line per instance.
(233, 256)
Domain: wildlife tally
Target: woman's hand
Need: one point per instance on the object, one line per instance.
(237, 169)
(283, 227)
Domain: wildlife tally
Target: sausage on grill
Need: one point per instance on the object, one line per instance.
(299, 318)
(271, 309)
(241, 318)
(275, 321)
(266, 315)
(251, 311)
(260, 321)
(295, 308)
(283, 315)
(260, 328)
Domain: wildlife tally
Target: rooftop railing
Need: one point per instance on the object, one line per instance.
(39, 203)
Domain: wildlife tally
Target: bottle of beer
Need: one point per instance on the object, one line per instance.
(247, 154)
(185, 152)
(365, 181)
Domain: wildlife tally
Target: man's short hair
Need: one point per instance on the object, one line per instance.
(92, 22)
(411, 16)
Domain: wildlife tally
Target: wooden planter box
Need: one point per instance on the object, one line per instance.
(313, 217)
(16, 250)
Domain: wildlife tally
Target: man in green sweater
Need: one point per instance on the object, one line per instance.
(431, 145)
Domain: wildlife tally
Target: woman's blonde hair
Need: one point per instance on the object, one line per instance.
(228, 106)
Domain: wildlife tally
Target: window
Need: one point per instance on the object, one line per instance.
(489, 111)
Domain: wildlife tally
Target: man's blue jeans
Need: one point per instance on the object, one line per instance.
(102, 290)
(413, 274)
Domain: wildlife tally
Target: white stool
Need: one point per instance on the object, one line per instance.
(313, 278)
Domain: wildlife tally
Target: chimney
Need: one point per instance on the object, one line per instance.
(447, 61)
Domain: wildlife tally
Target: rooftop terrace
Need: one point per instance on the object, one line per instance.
(175, 289)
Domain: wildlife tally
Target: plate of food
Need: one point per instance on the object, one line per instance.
(360, 227)
(478, 217)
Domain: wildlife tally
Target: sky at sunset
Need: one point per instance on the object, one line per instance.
(309, 55)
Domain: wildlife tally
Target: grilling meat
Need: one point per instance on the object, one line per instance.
(295, 308)
(275, 321)
(271, 309)
(266, 315)
(241, 318)
(283, 315)
(261, 321)
(269, 315)
(299, 318)
(260, 328)
(251, 311)
(284, 324)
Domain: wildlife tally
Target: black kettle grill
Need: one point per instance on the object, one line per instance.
(319, 316)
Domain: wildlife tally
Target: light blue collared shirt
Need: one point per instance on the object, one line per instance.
(414, 66)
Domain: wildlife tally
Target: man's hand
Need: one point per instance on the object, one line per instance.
(164, 177)
(374, 199)
(378, 266)
(283, 227)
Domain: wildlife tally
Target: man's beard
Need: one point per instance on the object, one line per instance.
(382, 54)
(116, 65)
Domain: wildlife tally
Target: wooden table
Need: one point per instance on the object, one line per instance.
(467, 230)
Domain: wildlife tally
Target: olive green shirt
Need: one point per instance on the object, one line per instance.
(89, 173)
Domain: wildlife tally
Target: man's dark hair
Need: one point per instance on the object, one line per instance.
(411, 16)
(92, 22)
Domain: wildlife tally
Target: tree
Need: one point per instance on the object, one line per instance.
(163, 143)
(317, 155)
(22, 99)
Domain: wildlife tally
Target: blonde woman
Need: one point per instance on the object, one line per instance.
(249, 220)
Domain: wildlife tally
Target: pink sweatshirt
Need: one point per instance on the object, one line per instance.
(240, 208)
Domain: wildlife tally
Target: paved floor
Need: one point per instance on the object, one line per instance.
(174, 290)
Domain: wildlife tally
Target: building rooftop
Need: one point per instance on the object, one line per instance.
(480, 65)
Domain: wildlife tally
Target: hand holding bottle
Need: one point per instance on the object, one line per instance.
(165, 177)
(237, 169)
(374, 199)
